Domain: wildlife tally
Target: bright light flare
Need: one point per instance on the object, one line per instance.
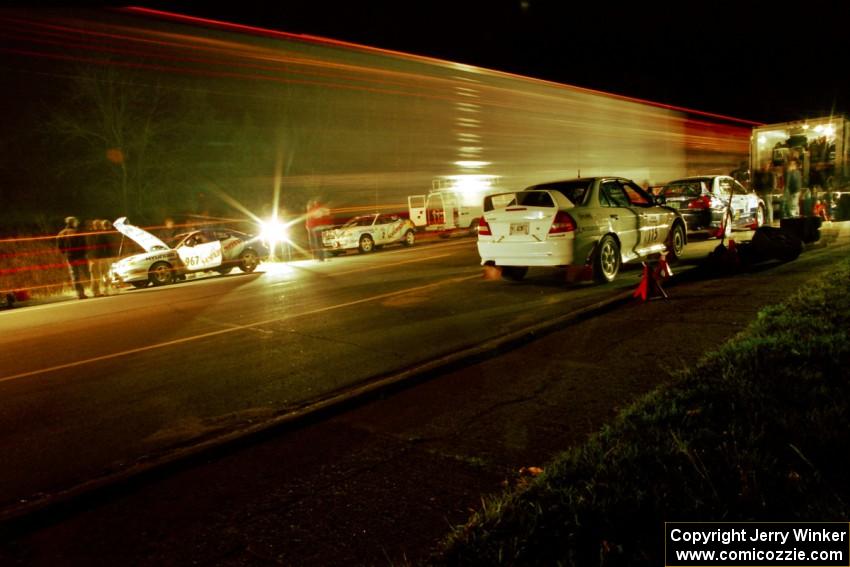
(274, 231)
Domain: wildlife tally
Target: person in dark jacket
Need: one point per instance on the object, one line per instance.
(72, 245)
(100, 257)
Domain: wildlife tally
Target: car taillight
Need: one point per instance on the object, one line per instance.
(562, 223)
(702, 202)
(483, 228)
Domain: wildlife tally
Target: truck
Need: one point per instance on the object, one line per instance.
(821, 147)
(455, 203)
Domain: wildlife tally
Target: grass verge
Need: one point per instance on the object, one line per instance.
(757, 430)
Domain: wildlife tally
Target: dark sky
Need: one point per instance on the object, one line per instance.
(754, 60)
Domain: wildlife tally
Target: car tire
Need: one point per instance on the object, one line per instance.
(161, 273)
(676, 243)
(248, 261)
(367, 244)
(409, 238)
(224, 270)
(606, 260)
(514, 273)
(140, 285)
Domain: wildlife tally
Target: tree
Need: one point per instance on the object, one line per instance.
(126, 142)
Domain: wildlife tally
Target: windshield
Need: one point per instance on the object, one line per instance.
(575, 190)
(360, 221)
(684, 188)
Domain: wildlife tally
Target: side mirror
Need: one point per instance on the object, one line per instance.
(660, 199)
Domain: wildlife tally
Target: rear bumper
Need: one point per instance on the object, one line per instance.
(547, 253)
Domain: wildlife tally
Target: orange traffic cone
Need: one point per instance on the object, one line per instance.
(642, 290)
(649, 285)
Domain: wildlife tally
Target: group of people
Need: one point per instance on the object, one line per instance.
(89, 251)
(795, 198)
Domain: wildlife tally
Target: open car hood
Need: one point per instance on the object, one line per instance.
(141, 237)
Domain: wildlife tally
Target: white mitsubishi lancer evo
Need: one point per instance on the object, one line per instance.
(599, 222)
(212, 249)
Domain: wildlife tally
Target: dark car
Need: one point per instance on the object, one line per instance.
(714, 204)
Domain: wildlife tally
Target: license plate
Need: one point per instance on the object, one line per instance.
(519, 228)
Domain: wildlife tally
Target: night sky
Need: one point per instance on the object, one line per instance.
(752, 60)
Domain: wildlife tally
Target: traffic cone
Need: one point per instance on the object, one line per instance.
(649, 285)
(642, 290)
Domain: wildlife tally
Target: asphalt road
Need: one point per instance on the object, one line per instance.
(89, 389)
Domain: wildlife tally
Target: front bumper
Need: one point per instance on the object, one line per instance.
(128, 275)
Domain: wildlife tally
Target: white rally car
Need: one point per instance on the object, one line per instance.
(368, 231)
(217, 250)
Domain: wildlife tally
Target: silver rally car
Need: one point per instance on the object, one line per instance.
(217, 250)
(365, 232)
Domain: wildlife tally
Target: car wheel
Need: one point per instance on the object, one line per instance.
(676, 242)
(224, 270)
(248, 261)
(366, 244)
(514, 273)
(606, 261)
(161, 273)
(409, 238)
(140, 285)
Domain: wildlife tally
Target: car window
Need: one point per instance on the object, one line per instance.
(611, 194)
(683, 189)
(739, 189)
(534, 199)
(360, 221)
(575, 191)
(637, 196)
(724, 186)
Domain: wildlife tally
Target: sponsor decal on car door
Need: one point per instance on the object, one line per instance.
(202, 256)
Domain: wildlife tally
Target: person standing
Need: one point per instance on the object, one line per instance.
(100, 257)
(72, 245)
(765, 185)
(318, 220)
(793, 184)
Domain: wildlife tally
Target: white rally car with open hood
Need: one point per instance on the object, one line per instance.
(217, 250)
